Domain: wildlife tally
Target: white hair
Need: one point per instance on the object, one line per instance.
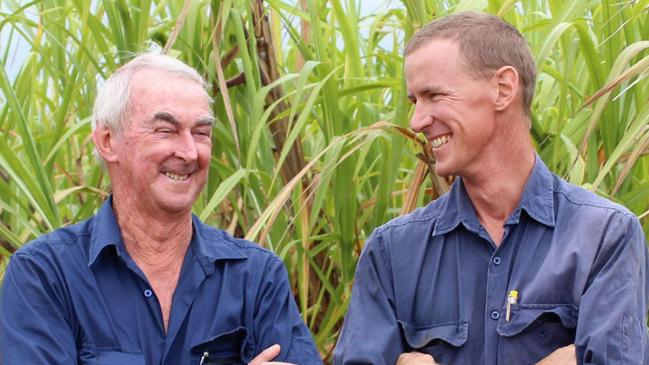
(112, 102)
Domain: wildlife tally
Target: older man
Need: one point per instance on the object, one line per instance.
(144, 281)
(513, 265)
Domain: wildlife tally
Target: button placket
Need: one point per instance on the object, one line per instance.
(498, 276)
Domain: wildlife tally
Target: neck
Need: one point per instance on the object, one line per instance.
(157, 243)
(495, 190)
(153, 241)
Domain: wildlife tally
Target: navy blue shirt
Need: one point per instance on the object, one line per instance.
(433, 281)
(75, 296)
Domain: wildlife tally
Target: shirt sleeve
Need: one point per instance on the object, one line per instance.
(277, 319)
(611, 328)
(33, 326)
(370, 333)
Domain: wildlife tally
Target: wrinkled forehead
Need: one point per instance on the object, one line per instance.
(153, 93)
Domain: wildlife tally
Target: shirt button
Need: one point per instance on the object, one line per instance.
(495, 315)
(496, 260)
(148, 293)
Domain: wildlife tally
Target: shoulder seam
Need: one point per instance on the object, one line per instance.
(614, 207)
(50, 239)
(397, 222)
(249, 246)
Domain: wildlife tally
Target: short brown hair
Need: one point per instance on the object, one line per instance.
(487, 43)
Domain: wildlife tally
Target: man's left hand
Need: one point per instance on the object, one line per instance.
(562, 356)
(266, 357)
(415, 358)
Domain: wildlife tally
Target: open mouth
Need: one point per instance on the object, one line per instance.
(176, 177)
(440, 141)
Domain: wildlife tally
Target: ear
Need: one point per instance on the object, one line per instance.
(507, 87)
(105, 139)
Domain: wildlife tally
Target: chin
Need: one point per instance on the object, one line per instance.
(175, 206)
(443, 171)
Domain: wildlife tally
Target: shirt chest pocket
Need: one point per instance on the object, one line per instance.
(440, 340)
(229, 347)
(538, 328)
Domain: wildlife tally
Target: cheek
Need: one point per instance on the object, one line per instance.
(204, 151)
(441, 109)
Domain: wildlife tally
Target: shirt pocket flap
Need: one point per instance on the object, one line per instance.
(453, 333)
(105, 357)
(523, 315)
(230, 346)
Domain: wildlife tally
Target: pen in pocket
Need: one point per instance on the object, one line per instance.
(512, 298)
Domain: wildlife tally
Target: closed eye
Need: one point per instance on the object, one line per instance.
(434, 96)
(203, 132)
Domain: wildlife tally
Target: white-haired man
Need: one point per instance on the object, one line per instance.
(144, 281)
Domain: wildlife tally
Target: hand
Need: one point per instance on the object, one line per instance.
(561, 356)
(266, 357)
(415, 358)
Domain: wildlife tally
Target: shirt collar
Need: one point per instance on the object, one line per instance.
(537, 201)
(207, 244)
(456, 209)
(104, 232)
(211, 245)
(538, 196)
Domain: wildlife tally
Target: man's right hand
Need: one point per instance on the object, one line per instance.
(561, 356)
(415, 358)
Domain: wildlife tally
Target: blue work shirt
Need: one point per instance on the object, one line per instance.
(75, 296)
(433, 281)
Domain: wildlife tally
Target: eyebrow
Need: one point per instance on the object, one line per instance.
(427, 90)
(169, 118)
(431, 90)
(207, 120)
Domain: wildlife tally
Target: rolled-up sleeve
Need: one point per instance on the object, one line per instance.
(370, 333)
(613, 312)
(278, 321)
(33, 327)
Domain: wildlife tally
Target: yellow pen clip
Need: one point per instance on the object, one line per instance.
(512, 298)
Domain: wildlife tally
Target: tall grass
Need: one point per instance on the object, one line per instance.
(311, 149)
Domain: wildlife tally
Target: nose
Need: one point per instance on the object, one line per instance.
(420, 119)
(185, 148)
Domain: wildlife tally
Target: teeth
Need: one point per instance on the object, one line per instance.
(176, 177)
(440, 141)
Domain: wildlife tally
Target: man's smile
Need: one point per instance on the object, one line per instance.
(439, 141)
(176, 177)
